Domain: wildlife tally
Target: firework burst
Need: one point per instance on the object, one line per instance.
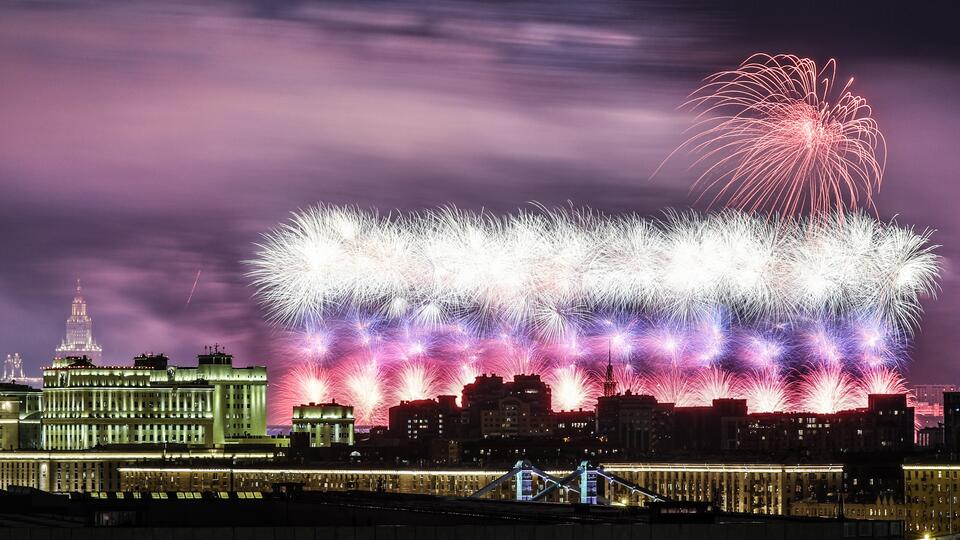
(571, 388)
(552, 274)
(714, 383)
(826, 388)
(779, 134)
(765, 391)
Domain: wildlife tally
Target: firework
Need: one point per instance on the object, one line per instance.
(416, 380)
(715, 383)
(826, 388)
(552, 274)
(305, 382)
(882, 380)
(779, 134)
(571, 388)
(765, 391)
(671, 386)
(363, 381)
(440, 296)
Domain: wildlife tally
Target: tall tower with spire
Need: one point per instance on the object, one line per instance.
(79, 338)
(609, 383)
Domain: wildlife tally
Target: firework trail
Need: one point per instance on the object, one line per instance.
(883, 380)
(192, 290)
(778, 134)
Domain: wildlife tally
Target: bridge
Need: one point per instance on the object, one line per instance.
(582, 481)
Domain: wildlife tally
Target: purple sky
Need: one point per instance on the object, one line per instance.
(141, 144)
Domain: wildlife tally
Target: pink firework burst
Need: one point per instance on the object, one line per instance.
(461, 376)
(777, 134)
(826, 388)
(714, 383)
(627, 379)
(671, 386)
(570, 387)
(306, 382)
(882, 380)
(519, 360)
(416, 380)
(765, 391)
(363, 384)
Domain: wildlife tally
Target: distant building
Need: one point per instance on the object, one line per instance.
(425, 419)
(951, 421)
(932, 394)
(636, 423)
(609, 383)
(885, 425)
(494, 408)
(928, 403)
(930, 438)
(13, 368)
(78, 341)
(579, 424)
(323, 424)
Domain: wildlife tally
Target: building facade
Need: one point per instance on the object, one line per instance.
(86, 406)
(26, 401)
(323, 424)
(749, 488)
(152, 402)
(239, 394)
(92, 471)
(425, 419)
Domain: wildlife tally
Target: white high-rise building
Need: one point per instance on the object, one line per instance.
(13, 368)
(79, 338)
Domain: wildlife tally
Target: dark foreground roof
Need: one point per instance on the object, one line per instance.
(357, 515)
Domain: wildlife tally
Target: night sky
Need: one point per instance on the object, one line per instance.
(141, 144)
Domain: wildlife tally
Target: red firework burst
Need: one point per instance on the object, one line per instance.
(776, 134)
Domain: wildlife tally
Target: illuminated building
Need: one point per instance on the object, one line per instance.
(13, 368)
(85, 406)
(78, 340)
(86, 471)
(750, 488)
(323, 424)
(21, 415)
(239, 394)
(152, 402)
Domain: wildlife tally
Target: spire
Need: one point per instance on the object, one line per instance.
(609, 384)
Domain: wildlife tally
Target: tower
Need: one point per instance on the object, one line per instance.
(78, 340)
(609, 384)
